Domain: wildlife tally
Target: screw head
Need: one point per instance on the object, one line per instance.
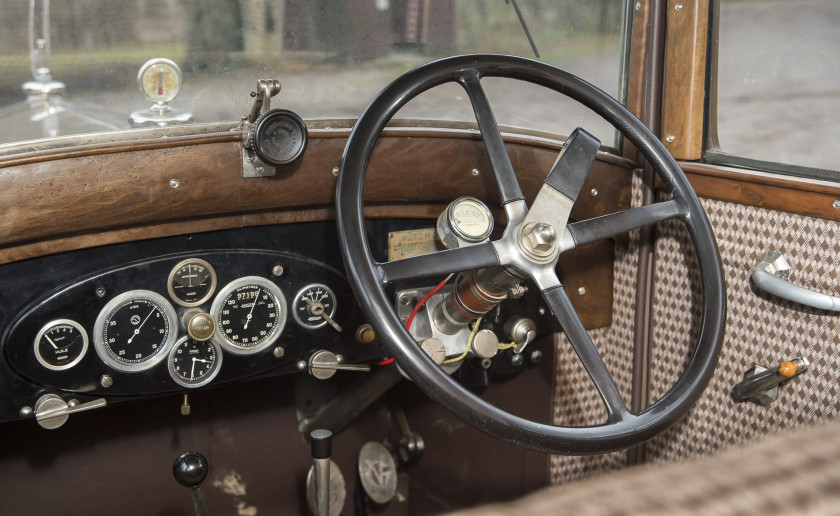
(536, 356)
(106, 381)
(541, 311)
(278, 270)
(836, 205)
(279, 352)
(474, 171)
(26, 411)
(678, 7)
(405, 300)
(335, 171)
(174, 183)
(638, 5)
(516, 360)
(670, 138)
(582, 290)
(594, 192)
(100, 292)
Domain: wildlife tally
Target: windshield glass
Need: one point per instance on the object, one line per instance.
(71, 67)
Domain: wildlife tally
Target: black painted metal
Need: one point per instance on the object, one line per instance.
(364, 273)
(614, 224)
(451, 260)
(572, 167)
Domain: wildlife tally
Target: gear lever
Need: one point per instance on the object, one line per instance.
(190, 470)
(321, 451)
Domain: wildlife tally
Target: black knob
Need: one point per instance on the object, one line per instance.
(321, 444)
(190, 469)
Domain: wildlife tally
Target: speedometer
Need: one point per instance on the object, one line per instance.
(134, 330)
(250, 313)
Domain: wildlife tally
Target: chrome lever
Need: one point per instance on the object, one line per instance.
(772, 274)
(51, 411)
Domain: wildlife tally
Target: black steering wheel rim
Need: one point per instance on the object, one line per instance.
(620, 431)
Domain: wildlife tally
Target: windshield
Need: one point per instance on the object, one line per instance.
(71, 67)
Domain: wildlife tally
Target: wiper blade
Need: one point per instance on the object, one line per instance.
(524, 27)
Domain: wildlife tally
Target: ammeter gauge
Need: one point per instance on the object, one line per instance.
(160, 80)
(194, 363)
(314, 306)
(191, 282)
(279, 137)
(61, 344)
(250, 313)
(134, 330)
(465, 221)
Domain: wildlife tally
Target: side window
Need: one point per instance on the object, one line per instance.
(778, 81)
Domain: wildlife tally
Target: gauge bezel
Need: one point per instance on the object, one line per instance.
(171, 335)
(162, 61)
(171, 277)
(331, 314)
(257, 138)
(234, 347)
(453, 226)
(50, 325)
(204, 381)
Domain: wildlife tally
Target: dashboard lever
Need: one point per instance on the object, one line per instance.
(190, 469)
(323, 364)
(51, 411)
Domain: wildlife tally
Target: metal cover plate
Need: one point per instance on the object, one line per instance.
(377, 472)
(414, 242)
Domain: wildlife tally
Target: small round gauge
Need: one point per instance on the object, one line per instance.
(465, 220)
(61, 344)
(193, 363)
(191, 282)
(279, 137)
(134, 330)
(160, 80)
(312, 303)
(250, 313)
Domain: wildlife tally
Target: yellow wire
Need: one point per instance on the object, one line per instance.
(507, 346)
(469, 344)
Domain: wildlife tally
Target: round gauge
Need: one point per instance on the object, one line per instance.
(194, 363)
(312, 303)
(279, 137)
(134, 330)
(191, 282)
(61, 344)
(160, 80)
(465, 220)
(250, 313)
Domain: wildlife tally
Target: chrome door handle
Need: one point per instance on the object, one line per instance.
(772, 274)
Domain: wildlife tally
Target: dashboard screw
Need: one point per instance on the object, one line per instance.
(301, 365)
(670, 138)
(594, 192)
(174, 183)
(475, 171)
(335, 171)
(279, 352)
(278, 270)
(541, 311)
(678, 7)
(536, 356)
(405, 300)
(100, 292)
(516, 360)
(638, 5)
(836, 205)
(582, 290)
(26, 411)
(106, 381)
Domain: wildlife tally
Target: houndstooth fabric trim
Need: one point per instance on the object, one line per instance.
(760, 329)
(577, 403)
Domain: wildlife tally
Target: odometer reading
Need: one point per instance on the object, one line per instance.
(134, 330)
(61, 344)
(250, 313)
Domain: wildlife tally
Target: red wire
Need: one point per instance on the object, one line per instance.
(414, 313)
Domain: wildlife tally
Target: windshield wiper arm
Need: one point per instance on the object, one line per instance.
(524, 27)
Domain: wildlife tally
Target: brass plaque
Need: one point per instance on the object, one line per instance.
(414, 242)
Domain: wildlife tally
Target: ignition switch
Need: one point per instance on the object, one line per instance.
(520, 330)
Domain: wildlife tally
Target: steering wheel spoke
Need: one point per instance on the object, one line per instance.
(477, 256)
(561, 306)
(509, 189)
(614, 224)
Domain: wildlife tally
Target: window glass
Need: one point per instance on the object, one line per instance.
(779, 81)
(330, 56)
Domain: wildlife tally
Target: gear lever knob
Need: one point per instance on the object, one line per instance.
(321, 441)
(190, 469)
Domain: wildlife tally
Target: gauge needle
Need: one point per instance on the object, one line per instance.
(137, 331)
(189, 274)
(248, 319)
(317, 309)
(50, 341)
(192, 369)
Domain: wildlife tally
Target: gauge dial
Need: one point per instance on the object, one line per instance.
(279, 137)
(465, 221)
(191, 282)
(160, 80)
(61, 344)
(134, 330)
(250, 313)
(312, 303)
(194, 363)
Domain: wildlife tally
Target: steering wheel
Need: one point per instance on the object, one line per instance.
(531, 243)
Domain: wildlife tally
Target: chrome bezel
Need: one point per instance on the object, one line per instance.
(171, 278)
(217, 365)
(53, 324)
(98, 338)
(235, 347)
(166, 62)
(331, 314)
